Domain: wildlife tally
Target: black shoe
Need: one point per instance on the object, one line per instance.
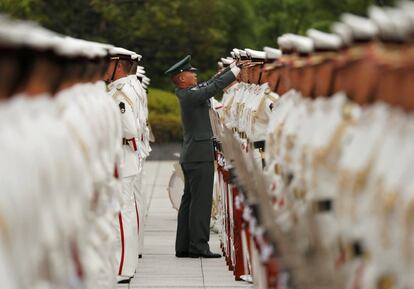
(205, 254)
(182, 254)
(125, 281)
(140, 256)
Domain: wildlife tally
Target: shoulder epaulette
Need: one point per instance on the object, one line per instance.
(119, 92)
(119, 86)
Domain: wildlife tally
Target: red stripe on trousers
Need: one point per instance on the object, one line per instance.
(121, 226)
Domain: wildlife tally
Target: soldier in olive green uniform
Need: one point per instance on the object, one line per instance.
(197, 156)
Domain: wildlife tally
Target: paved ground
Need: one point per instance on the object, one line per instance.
(165, 152)
(159, 268)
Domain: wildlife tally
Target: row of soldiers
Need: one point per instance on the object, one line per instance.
(314, 148)
(74, 138)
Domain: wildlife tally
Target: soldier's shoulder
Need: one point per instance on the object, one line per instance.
(115, 86)
(120, 86)
(183, 91)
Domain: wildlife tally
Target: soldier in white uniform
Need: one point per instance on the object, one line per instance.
(66, 199)
(141, 117)
(128, 218)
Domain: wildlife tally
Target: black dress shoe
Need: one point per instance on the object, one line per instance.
(125, 281)
(205, 254)
(182, 254)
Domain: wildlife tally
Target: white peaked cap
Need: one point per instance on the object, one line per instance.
(272, 53)
(236, 52)
(107, 47)
(381, 20)
(343, 31)
(393, 24)
(122, 51)
(255, 53)
(41, 38)
(242, 53)
(136, 56)
(402, 20)
(285, 41)
(27, 34)
(226, 61)
(361, 27)
(23, 33)
(87, 49)
(324, 40)
(407, 7)
(69, 47)
(302, 44)
(239, 52)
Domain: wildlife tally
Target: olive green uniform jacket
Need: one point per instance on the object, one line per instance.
(195, 105)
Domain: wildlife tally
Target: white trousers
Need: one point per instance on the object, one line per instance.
(127, 239)
(141, 203)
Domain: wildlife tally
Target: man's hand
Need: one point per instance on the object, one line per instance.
(241, 64)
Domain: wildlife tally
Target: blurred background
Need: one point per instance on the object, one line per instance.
(164, 31)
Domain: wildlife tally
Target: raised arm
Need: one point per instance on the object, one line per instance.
(199, 95)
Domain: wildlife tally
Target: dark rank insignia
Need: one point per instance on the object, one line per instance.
(122, 107)
(202, 84)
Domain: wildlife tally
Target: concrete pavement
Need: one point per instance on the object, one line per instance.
(159, 268)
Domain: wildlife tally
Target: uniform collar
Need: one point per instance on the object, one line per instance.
(116, 82)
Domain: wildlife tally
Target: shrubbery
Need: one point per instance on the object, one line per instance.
(164, 116)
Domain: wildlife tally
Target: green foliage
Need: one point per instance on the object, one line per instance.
(166, 128)
(164, 116)
(22, 9)
(162, 102)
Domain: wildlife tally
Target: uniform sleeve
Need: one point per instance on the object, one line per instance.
(128, 120)
(218, 74)
(197, 96)
(228, 68)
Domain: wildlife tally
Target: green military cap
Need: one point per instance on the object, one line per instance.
(180, 66)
